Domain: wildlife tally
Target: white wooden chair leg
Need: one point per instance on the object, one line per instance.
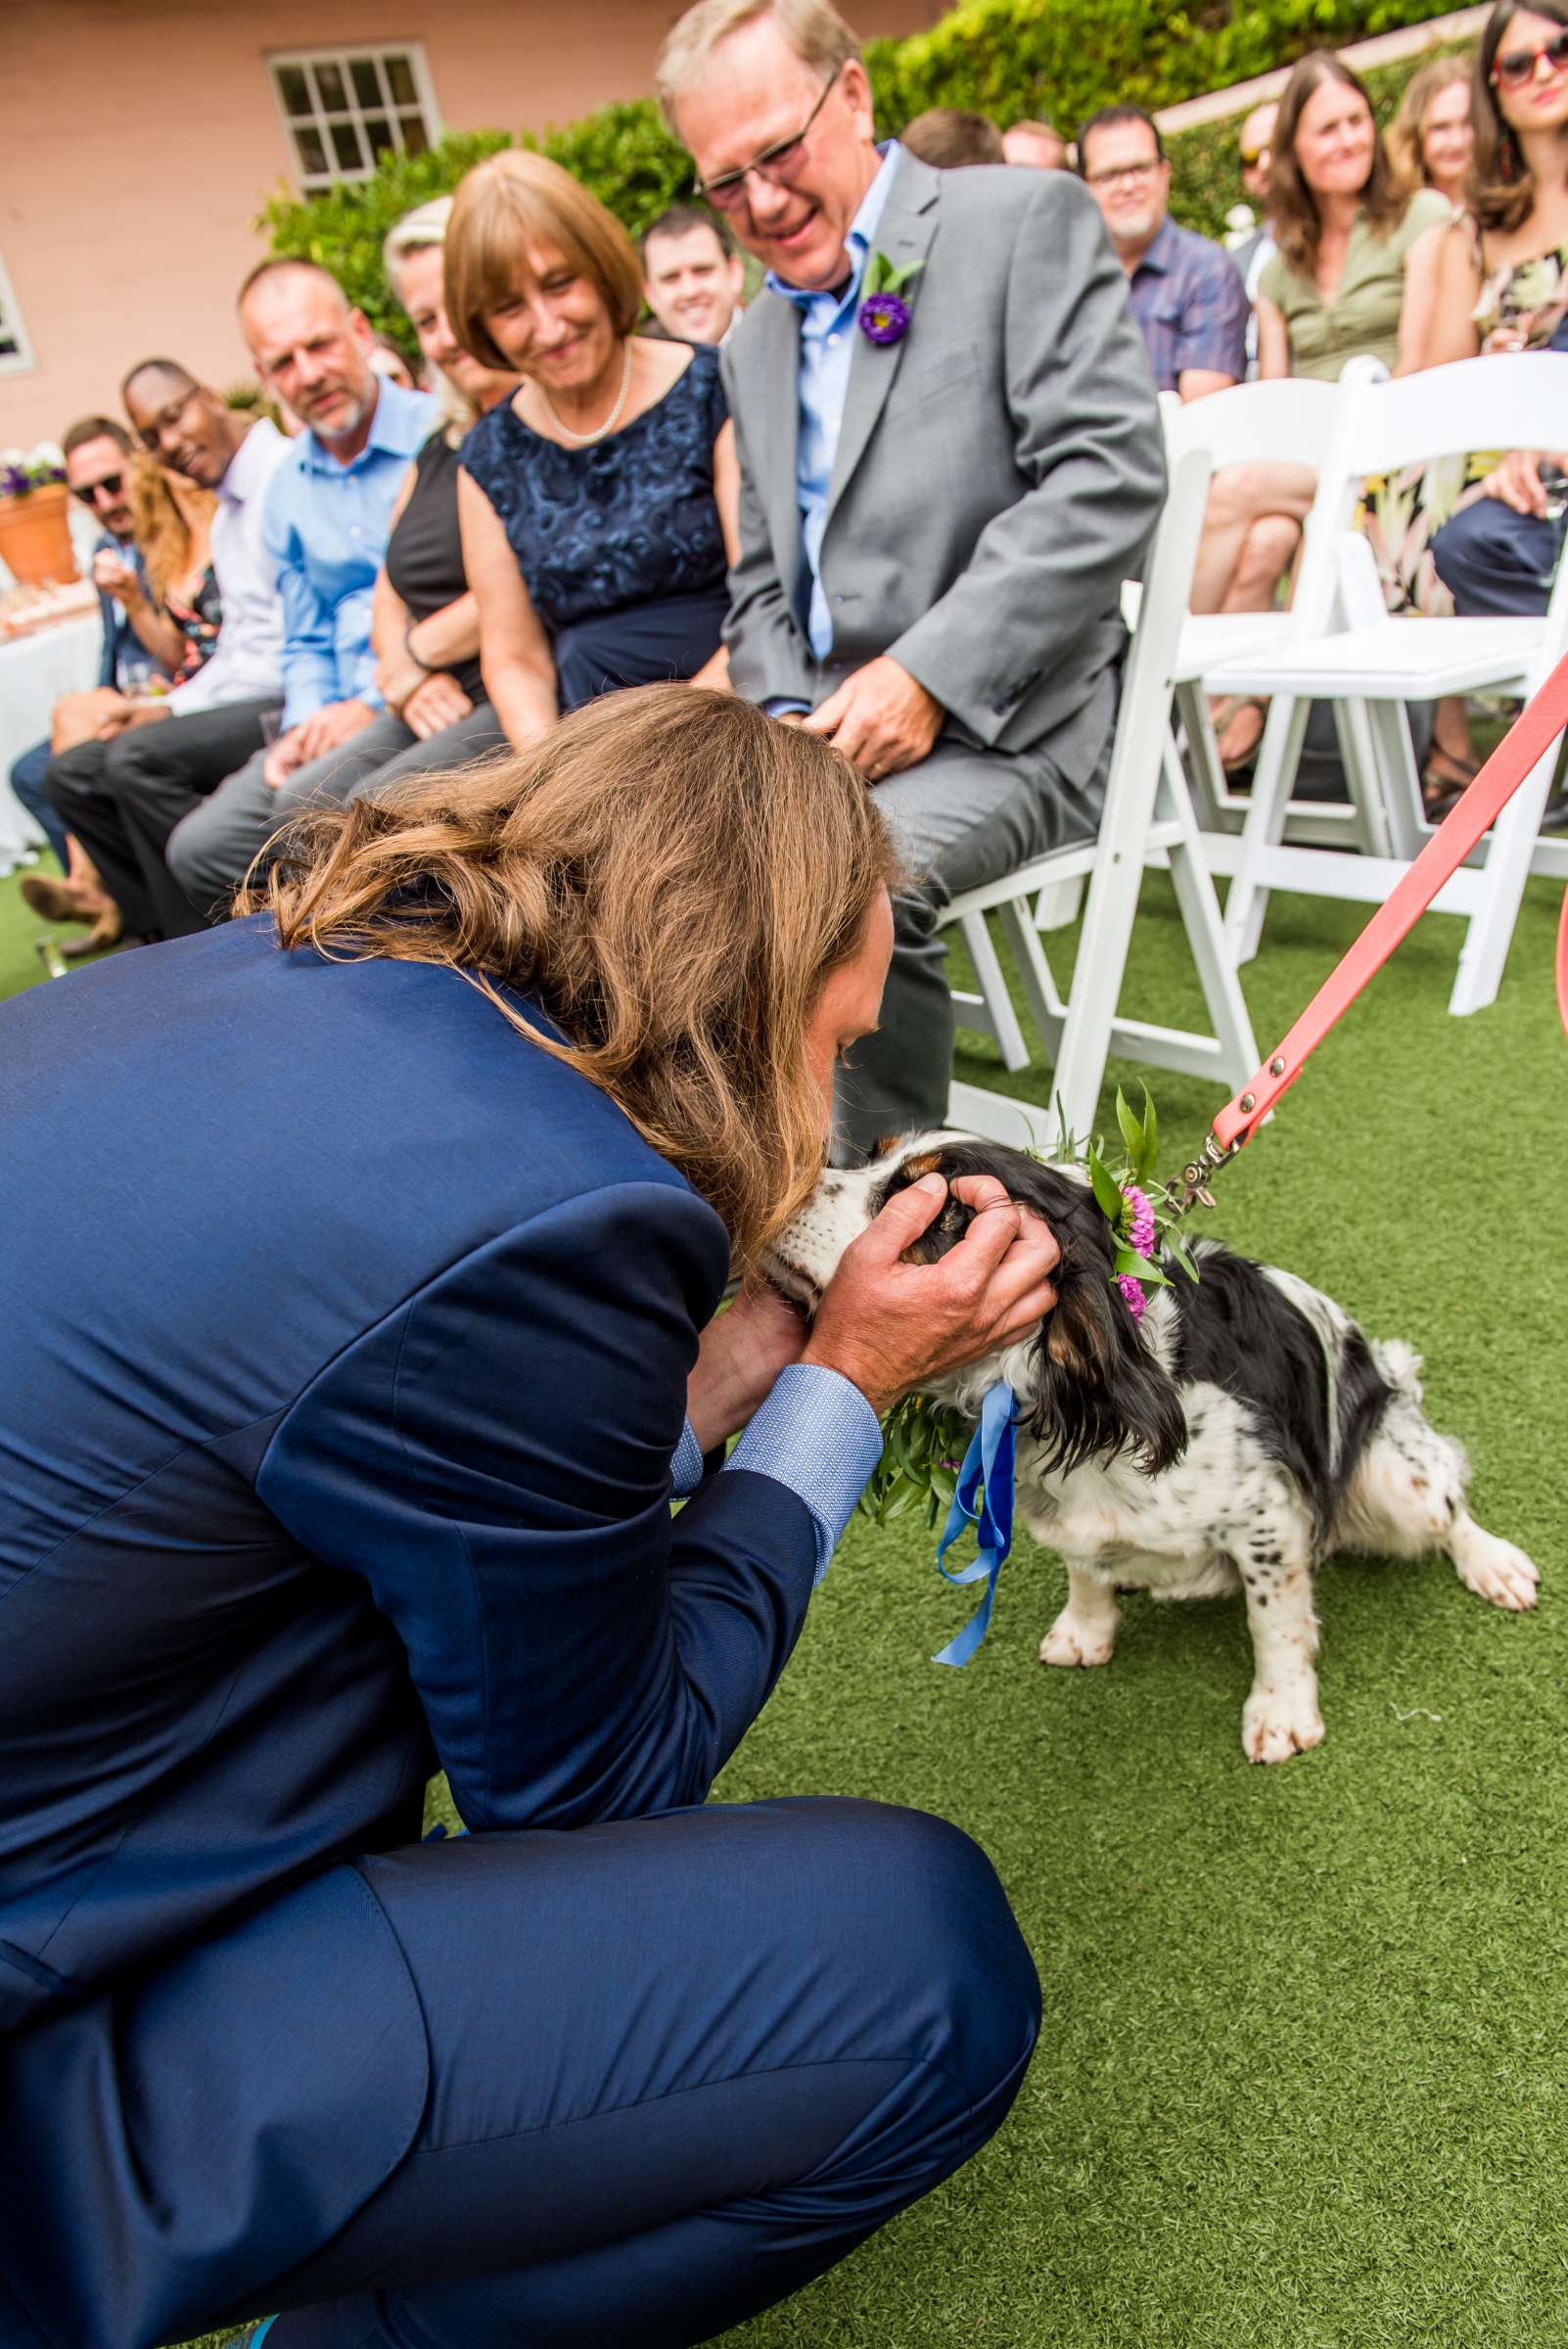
(1200, 915)
(1489, 933)
(1113, 899)
(1398, 779)
(1215, 804)
(1273, 779)
(1034, 974)
(1057, 908)
(1359, 751)
(1001, 1019)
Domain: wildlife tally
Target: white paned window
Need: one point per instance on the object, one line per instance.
(16, 351)
(343, 107)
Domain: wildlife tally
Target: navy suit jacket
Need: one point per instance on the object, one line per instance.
(344, 1452)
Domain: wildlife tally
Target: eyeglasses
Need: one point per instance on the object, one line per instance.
(1513, 72)
(776, 165)
(113, 482)
(166, 420)
(1128, 171)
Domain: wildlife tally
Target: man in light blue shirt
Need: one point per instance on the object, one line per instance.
(826, 348)
(326, 521)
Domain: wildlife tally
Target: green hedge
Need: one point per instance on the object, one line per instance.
(1010, 58)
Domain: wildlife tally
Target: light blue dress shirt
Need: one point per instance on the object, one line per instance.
(816, 1434)
(326, 527)
(827, 346)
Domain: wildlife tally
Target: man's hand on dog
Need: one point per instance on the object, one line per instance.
(889, 1327)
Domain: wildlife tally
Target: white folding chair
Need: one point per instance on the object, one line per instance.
(1291, 420)
(1148, 815)
(1371, 667)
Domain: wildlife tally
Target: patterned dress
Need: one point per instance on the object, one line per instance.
(618, 543)
(1520, 307)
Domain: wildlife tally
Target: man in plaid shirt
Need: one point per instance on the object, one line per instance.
(1186, 292)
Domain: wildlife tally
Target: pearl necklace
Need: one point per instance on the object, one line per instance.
(581, 439)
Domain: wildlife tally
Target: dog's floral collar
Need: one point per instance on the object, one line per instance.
(884, 313)
(1127, 1208)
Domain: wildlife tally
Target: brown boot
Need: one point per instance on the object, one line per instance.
(63, 901)
(106, 932)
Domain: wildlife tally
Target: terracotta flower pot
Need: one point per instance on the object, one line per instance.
(35, 537)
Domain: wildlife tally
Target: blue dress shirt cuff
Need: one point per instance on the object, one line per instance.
(686, 1467)
(819, 1435)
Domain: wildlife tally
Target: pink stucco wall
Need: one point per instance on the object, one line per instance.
(140, 135)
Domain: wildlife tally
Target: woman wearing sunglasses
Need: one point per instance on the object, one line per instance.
(1504, 285)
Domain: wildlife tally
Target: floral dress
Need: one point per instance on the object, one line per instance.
(1520, 307)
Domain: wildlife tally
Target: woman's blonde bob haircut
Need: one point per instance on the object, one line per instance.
(669, 876)
(503, 205)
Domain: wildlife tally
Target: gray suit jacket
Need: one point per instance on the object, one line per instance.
(998, 471)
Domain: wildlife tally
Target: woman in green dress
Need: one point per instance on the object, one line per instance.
(1355, 274)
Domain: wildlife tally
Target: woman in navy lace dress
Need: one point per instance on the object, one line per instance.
(599, 505)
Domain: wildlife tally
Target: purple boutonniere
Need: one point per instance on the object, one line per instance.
(883, 315)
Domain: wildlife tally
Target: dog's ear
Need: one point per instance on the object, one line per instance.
(1099, 1389)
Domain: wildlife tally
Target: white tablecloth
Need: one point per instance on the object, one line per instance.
(35, 671)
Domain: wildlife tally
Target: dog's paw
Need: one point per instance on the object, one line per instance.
(1497, 1572)
(1069, 1641)
(1277, 1723)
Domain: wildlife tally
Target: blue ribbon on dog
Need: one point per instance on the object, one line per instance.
(988, 1470)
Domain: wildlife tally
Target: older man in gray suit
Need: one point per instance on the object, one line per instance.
(938, 508)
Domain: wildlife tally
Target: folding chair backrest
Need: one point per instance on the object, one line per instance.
(1518, 399)
(1287, 421)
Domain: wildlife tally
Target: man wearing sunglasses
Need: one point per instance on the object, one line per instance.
(97, 453)
(123, 793)
(939, 502)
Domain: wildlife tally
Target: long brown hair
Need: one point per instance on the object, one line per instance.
(168, 522)
(669, 875)
(1505, 184)
(1293, 212)
(1408, 129)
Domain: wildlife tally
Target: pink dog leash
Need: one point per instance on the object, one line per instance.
(1516, 756)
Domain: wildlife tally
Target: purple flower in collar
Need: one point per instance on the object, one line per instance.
(884, 318)
(884, 314)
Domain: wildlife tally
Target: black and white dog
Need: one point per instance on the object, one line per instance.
(1244, 1430)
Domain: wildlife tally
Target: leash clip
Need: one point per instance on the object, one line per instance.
(1193, 1189)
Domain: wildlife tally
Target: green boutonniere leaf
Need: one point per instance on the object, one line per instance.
(882, 277)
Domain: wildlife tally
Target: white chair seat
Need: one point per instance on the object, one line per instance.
(1208, 639)
(1211, 641)
(1413, 660)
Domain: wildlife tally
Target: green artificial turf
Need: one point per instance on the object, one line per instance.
(1303, 2078)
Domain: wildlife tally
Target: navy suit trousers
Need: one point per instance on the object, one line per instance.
(677, 2068)
(1495, 561)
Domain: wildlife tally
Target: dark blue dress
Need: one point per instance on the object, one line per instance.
(618, 543)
